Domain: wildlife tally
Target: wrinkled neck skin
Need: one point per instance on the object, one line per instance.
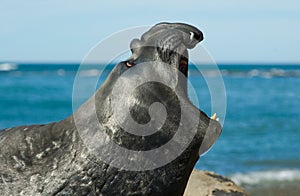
(162, 67)
(142, 98)
(160, 50)
(166, 55)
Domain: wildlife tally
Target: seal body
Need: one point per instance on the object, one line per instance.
(55, 159)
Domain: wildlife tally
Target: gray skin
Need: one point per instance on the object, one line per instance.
(52, 159)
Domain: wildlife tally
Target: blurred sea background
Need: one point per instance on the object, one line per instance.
(259, 147)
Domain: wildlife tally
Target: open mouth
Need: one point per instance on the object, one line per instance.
(183, 64)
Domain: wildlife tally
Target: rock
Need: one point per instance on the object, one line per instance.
(205, 183)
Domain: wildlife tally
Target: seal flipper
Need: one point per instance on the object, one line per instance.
(213, 131)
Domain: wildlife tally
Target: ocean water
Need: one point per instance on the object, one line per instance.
(261, 133)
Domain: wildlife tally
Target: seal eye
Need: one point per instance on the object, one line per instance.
(129, 63)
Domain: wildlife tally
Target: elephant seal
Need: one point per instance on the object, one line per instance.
(60, 159)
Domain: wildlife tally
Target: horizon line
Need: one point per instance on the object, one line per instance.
(233, 63)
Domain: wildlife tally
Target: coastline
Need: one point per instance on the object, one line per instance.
(271, 182)
(206, 183)
(280, 189)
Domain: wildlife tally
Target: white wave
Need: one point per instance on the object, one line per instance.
(274, 72)
(254, 178)
(8, 66)
(269, 73)
(253, 73)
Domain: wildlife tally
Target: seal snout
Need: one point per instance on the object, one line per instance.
(190, 34)
(166, 42)
(171, 33)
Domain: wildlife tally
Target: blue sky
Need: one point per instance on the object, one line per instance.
(238, 31)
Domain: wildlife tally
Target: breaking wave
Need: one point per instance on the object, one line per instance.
(274, 72)
(266, 177)
(8, 66)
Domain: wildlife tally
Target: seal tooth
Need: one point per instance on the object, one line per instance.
(192, 35)
(214, 116)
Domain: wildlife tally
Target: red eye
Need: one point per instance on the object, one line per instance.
(129, 64)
